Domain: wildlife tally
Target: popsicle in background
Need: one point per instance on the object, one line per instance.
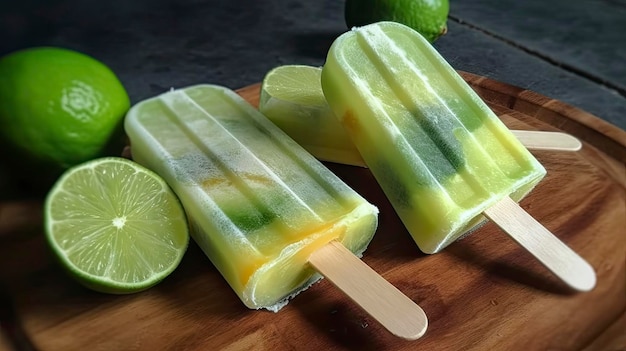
(291, 97)
(267, 214)
(439, 153)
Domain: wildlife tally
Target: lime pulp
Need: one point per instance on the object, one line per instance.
(115, 226)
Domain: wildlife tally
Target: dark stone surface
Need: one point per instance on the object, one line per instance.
(154, 45)
(586, 36)
(574, 51)
(498, 60)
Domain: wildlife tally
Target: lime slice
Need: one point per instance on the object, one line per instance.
(115, 226)
(292, 98)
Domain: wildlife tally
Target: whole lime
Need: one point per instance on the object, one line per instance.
(428, 17)
(58, 107)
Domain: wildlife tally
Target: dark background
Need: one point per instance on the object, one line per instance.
(570, 50)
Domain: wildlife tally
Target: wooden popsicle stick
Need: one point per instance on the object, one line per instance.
(554, 141)
(541, 243)
(379, 298)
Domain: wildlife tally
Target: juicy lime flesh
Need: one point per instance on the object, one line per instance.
(295, 83)
(116, 226)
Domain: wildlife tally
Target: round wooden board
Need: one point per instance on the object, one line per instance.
(481, 293)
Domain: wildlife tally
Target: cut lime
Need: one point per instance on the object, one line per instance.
(115, 226)
(292, 98)
(295, 83)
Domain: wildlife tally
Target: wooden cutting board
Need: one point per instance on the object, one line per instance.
(481, 293)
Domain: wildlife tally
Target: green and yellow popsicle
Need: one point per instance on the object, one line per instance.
(259, 205)
(440, 154)
(267, 214)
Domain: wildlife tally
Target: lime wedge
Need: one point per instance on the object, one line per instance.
(292, 98)
(115, 226)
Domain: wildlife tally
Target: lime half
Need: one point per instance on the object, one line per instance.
(115, 226)
(292, 98)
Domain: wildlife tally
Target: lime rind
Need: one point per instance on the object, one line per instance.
(115, 225)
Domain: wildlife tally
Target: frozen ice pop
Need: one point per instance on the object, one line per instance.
(439, 153)
(259, 205)
(291, 97)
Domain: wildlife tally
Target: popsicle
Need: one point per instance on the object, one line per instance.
(291, 97)
(439, 153)
(263, 210)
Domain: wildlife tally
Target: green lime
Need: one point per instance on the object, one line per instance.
(58, 106)
(428, 17)
(292, 98)
(115, 225)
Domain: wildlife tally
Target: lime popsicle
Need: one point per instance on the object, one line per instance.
(441, 156)
(259, 205)
(266, 212)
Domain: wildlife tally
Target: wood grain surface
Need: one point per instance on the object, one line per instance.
(482, 293)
